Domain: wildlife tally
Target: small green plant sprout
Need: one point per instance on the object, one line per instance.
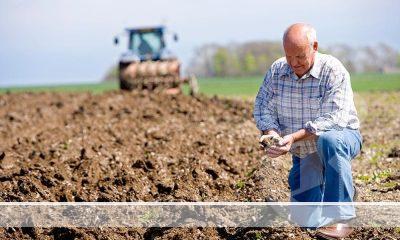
(148, 216)
(378, 176)
(258, 235)
(364, 178)
(240, 184)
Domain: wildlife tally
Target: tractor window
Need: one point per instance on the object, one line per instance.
(146, 42)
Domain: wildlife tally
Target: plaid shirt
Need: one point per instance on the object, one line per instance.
(319, 101)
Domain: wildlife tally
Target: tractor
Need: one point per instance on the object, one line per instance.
(149, 65)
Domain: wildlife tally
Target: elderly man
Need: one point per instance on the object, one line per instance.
(306, 101)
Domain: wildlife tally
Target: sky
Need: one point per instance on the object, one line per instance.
(71, 41)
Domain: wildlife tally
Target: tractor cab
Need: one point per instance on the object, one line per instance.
(146, 44)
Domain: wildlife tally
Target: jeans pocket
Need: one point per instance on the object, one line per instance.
(356, 144)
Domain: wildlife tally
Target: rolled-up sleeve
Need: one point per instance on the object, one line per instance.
(336, 104)
(265, 113)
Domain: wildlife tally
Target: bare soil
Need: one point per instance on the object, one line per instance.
(129, 147)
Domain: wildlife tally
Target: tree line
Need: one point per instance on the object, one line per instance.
(254, 58)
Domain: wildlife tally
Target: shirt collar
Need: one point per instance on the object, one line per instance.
(316, 68)
(314, 71)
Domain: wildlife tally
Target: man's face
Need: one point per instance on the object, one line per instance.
(299, 57)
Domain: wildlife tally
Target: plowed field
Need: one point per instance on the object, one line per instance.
(130, 147)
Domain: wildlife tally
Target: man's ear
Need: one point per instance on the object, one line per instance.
(315, 46)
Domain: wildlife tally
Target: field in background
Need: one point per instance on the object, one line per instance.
(238, 86)
(248, 86)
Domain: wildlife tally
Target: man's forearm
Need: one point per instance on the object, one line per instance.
(302, 134)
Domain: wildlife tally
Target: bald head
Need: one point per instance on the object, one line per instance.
(300, 34)
(300, 45)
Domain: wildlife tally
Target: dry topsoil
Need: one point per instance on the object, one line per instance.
(136, 146)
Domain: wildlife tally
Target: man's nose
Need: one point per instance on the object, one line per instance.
(294, 62)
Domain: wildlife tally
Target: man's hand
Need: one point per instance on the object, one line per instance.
(269, 140)
(281, 148)
(269, 137)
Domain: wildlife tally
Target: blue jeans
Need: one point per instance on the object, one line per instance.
(325, 176)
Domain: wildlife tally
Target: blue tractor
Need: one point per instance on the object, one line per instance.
(149, 65)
